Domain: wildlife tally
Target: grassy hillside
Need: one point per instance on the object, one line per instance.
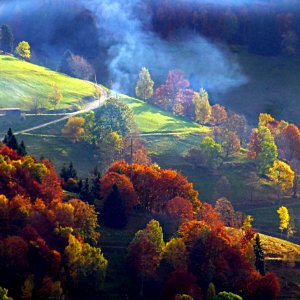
(20, 81)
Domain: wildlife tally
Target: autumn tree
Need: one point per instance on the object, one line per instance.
(175, 254)
(181, 283)
(80, 68)
(282, 176)
(156, 186)
(145, 251)
(259, 256)
(76, 66)
(236, 123)
(86, 265)
(55, 96)
(181, 208)
(288, 143)
(144, 87)
(6, 39)
(113, 211)
(23, 50)
(229, 141)
(284, 218)
(225, 209)
(165, 95)
(125, 188)
(202, 107)
(73, 129)
(218, 115)
(264, 119)
(263, 148)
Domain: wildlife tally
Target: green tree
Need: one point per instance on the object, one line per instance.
(3, 294)
(110, 148)
(268, 150)
(202, 107)
(259, 256)
(211, 152)
(183, 297)
(23, 50)
(211, 292)
(113, 211)
(227, 296)
(55, 95)
(144, 87)
(6, 39)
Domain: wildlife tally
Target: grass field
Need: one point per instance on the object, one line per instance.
(20, 81)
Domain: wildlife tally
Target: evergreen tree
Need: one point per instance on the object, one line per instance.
(85, 194)
(113, 211)
(64, 173)
(6, 39)
(22, 149)
(259, 256)
(10, 140)
(72, 173)
(144, 87)
(79, 186)
(95, 186)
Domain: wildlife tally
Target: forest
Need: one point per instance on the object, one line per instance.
(149, 149)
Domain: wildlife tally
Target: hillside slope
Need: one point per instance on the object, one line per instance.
(21, 80)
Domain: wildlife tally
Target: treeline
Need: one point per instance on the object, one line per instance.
(266, 28)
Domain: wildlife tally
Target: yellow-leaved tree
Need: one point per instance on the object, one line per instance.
(55, 95)
(282, 176)
(74, 130)
(202, 107)
(23, 50)
(284, 217)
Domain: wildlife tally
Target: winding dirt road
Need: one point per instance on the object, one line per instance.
(88, 107)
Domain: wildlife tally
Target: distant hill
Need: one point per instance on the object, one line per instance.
(20, 81)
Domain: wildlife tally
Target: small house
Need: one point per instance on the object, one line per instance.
(11, 112)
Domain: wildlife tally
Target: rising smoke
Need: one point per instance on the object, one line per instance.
(130, 48)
